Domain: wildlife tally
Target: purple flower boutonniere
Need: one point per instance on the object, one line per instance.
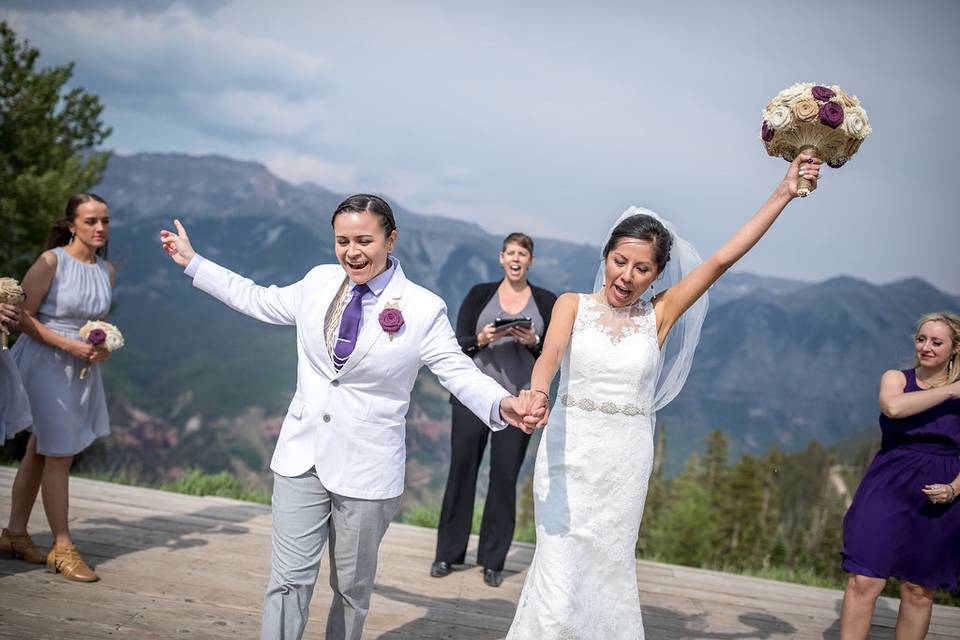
(391, 320)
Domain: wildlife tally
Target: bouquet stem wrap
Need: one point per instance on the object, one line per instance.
(805, 186)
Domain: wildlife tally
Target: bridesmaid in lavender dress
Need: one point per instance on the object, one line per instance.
(68, 285)
(905, 521)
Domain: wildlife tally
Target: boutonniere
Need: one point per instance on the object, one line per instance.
(391, 320)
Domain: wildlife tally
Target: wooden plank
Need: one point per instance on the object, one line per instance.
(176, 566)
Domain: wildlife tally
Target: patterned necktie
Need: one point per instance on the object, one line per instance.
(349, 326)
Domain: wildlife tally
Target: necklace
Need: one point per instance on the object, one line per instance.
(331, 323)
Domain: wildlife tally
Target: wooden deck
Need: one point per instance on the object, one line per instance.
(174, 566)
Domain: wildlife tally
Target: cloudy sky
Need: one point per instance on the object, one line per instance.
(549, 117)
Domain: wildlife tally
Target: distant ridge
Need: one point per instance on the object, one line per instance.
(781, 361)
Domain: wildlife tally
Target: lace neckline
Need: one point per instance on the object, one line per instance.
(599, 300)
(617, 323)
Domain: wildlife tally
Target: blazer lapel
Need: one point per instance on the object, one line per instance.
(371, 331)
(326, 296)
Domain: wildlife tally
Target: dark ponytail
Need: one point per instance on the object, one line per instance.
(60, 234)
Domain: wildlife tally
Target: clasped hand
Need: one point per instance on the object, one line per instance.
(526, 411)
(87, 352)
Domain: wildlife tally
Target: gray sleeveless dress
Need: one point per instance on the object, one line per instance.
(14, 405)
(68, 413)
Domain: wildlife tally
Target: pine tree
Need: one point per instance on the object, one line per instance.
(48, 141)
(684, 531)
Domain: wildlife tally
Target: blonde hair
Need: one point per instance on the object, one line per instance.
(952, 321)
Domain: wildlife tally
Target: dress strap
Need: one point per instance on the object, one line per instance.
(911, 376)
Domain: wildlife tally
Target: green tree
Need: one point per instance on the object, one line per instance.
(49, 135)
(684, 531)
(741, 517)
(715, 461)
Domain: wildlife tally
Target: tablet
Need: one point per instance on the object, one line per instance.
(509, 323)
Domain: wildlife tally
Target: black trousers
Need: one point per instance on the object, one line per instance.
(507, 449)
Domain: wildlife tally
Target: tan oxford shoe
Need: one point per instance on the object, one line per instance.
(67, 560)
(19, 545)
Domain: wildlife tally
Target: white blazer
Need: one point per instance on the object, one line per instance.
(350, 424)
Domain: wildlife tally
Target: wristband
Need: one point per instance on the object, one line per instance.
(545, 394)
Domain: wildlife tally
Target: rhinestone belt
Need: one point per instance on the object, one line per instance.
(604, 407)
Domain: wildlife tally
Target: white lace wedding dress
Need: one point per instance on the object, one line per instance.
(590, 481)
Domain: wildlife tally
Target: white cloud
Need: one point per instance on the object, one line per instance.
(261, 113)
(549, 116)
(297, 167)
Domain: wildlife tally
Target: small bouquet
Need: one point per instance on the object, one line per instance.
(100, 334)
(816, 120)
(10, 293)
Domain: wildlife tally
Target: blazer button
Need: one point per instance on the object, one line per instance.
(326, 417)
(335, 383)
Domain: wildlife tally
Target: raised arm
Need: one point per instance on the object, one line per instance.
(673, 302)
(276, 305)
(895, 403)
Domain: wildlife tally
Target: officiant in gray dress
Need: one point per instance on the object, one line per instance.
(506, 354)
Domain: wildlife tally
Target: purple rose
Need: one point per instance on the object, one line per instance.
(391, 320)
(831, 114)
(766, 132)
(97, 337)
(822, 93)
(836, 163)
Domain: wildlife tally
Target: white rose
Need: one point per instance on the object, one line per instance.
(780, 118)
(793, 93)
(114, 340)
(10, 291)
(846, 99)
(855, 123)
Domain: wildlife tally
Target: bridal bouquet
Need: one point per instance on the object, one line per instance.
(99, 333)
(817, 120)
(10, 293)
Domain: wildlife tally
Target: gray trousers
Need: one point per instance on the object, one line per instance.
(305, 514)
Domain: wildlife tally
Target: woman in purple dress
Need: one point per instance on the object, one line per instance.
(905, 520)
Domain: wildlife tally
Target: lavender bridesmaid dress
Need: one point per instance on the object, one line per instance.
(68, 413)
(892, 529)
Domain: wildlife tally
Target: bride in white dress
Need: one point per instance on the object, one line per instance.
(617, 369)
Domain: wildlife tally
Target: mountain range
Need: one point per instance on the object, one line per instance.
(781, 362)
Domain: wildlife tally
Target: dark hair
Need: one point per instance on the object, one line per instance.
(60, 234)
(643, 227)
(521, 239)
(374, 204)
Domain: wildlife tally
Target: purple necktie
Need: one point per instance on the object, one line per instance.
(349, 326)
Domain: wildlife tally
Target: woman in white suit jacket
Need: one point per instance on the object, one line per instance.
(363, 332)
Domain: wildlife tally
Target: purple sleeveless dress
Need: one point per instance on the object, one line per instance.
(892, 529)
